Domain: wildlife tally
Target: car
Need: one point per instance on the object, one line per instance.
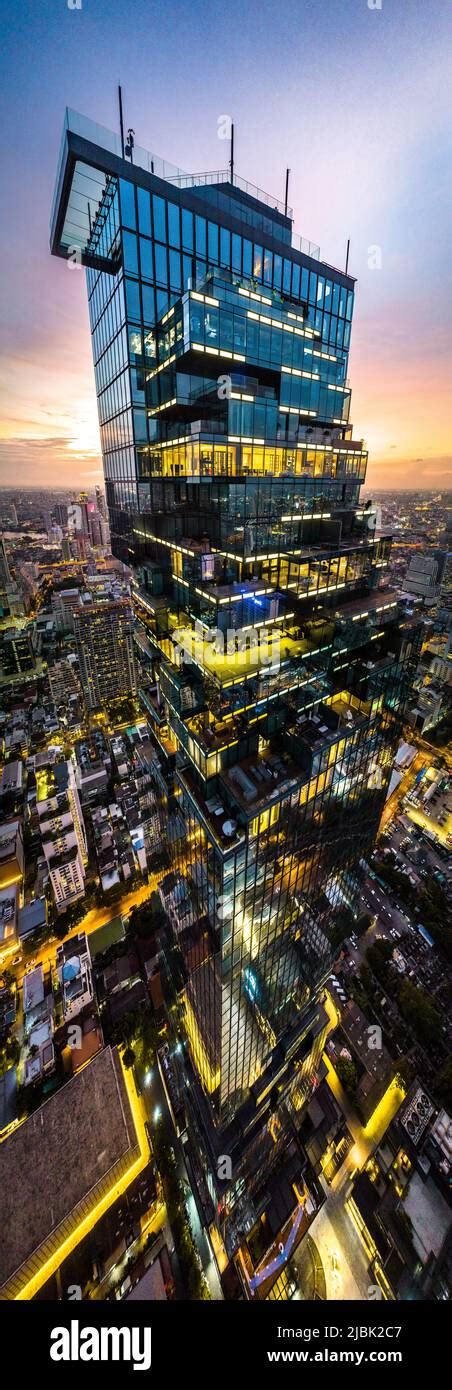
(17, 960)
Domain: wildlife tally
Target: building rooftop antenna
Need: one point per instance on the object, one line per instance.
(286, 200)
(121, 119)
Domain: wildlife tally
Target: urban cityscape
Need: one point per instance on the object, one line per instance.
(225, 784)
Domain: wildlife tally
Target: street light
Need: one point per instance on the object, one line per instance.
(157, 1114)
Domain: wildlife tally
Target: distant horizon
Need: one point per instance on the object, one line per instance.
(80, 487)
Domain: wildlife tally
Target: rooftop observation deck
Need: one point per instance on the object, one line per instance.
(237, 592)
(255, 782)
(374, 605)
(91, 157)
(247, 658)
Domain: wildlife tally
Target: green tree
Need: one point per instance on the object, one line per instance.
(363, 923)
(443, 1087)
(347, 1073)
(194, 1280)
(378, 956)
(342, 926)
(365, 976)
(405, 1073)
(417, 1007)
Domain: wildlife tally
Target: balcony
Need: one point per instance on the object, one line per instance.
(260, 781)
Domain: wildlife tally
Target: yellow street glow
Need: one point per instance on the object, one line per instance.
(98, 1210)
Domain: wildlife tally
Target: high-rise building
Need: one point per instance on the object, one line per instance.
(55, 535)
(100, 502)
(17, 653)
(28, 577)
(276, 668)
(104, 533)
(425, 573)
(97, 526)
(105, 649)
(65, 603)
(77, 514)
(445, 605)
(11, 602)
(63, 682)
(75, 518)
(60, 513)
(62, 830)
(81, 547)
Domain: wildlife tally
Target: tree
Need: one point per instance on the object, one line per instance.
(128, 1056)
(342, 926)
(417, 1007)
(363, 923)
(195, 1282)
(435, 914)
(378, 956)
(347, 1073)
(443, 1087)
(146, 1040)
(9, 1054)
(397, 881)
(145, 921)
(405, 1073)
(124, 1029)
(365, 976)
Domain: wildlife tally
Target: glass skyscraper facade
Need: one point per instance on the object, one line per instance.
(275, 666)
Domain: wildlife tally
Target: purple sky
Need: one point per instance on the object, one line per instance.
(354, 99)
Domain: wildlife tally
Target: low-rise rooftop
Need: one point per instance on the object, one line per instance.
(57, 1165)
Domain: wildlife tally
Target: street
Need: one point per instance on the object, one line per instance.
(344, 1259)
(158, 1113)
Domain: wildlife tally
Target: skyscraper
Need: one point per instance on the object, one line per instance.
(103, 634)
(62, 831)
(425, 575)
(11, 602)
(276, 670)
(100, 501)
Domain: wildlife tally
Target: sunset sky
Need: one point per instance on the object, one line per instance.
(355, 100)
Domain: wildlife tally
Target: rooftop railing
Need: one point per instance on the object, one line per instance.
(163, 169)
(224, 176)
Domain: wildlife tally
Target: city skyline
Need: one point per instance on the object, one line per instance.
(225, 678)
(383, 196)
